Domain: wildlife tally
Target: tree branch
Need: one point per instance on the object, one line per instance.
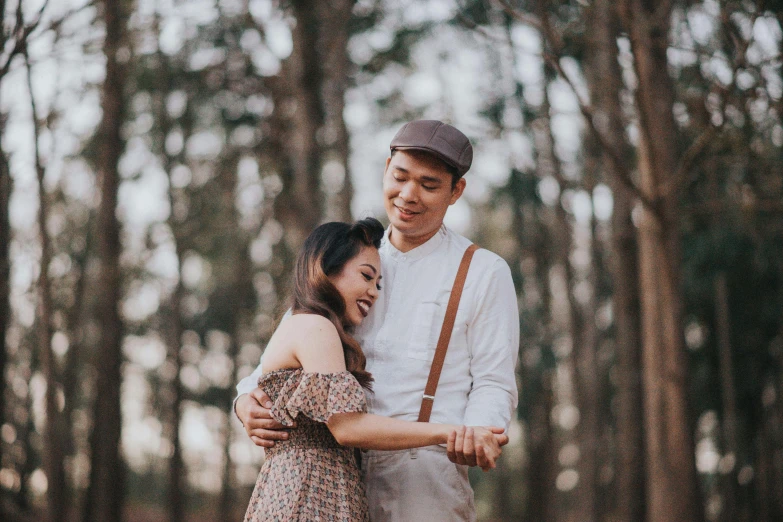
(621, 170)
(21, 35)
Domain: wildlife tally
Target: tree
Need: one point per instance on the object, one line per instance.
(605, 83)
(106, 489)
(54, 454)
(14, 35)
(672, 484)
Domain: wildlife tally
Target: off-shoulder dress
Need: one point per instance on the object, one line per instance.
(309, 476)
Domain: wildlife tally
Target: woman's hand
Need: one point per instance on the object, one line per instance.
(476, 446)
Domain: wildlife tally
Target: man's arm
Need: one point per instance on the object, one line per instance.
(251, 406)
(249, 383)
(493, 342)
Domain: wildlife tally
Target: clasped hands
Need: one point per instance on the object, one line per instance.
(468, 445)
(476, 446)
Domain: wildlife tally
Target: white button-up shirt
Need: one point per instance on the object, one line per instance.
(477, 385)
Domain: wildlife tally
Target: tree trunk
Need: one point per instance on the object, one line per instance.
(605, 81)
(672, 482)
(238, 283)
(176, 496)
(53, 454)
(583, 346)
(335, 17)
(299, 206)
(107, 473)
(5, 267)
(541, 504)
(174, 327)
(728, 395)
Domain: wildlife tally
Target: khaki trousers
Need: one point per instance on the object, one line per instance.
(417, 485)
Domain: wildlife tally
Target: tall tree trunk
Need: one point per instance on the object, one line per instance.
(175, 327)
(583, 333)
(583, 346)
(728, 395)
(541, 470)
(605, 82)
(107, 472)
(5, 266)
(239, 285)
(335, 17)
(53, 454)
(542, 504)
(299, 206)
(672, 482)
(176, 496)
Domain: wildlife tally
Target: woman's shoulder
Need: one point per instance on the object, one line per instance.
(304, 325)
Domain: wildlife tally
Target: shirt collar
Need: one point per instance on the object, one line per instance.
(420, 251)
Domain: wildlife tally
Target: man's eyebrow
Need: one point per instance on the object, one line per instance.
(431, 179)
(374, 270)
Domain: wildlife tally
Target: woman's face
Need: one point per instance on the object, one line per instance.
(358, 283)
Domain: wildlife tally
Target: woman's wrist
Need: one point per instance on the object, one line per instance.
(446, 430)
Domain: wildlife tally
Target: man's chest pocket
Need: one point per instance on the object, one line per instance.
(423, 334)
(425, 331)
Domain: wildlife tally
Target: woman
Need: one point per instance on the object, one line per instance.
(314, 372)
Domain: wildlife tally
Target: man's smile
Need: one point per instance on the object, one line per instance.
(406, 212)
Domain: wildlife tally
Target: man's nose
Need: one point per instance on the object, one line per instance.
(409, 192)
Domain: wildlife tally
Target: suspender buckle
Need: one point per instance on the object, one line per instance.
(428, 397)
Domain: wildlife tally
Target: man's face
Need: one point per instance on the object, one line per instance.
(417, 192)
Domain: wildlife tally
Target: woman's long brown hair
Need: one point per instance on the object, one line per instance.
(324, 253)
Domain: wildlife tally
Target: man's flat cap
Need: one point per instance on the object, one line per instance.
(437, 138)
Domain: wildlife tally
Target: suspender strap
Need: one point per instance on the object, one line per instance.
(445, 335)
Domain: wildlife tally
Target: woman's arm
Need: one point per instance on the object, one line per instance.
(366, 431)
(317, 348)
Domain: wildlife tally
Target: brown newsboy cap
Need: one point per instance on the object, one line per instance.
(437, 138)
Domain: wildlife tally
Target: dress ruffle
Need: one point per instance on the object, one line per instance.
(315, 395)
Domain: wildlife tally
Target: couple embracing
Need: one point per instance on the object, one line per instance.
(400, 349)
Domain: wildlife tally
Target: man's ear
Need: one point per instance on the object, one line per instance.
(388, 160)
(457, 191)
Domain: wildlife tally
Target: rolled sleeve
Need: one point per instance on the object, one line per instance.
(250, 382)
(493, 340)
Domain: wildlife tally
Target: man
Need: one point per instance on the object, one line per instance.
(419, 259)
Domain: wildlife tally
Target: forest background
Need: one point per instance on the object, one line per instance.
(162, 160)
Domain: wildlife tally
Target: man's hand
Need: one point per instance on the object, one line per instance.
(253, 410)
(476, 446)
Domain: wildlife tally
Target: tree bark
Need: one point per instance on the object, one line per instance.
(672, 482)
(728, 395)
(174, 327)
(5, 266)
(299, 206)
(335, 17)
(238, 285)
(583, 341)
(605, 82)
(107, 473)
(176, 496)
(53, 454)
(542, 504)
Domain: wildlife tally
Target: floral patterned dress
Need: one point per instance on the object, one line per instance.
(309, 476)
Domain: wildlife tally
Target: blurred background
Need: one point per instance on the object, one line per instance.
(162, 160)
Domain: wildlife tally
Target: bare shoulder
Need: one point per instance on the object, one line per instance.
(315, 342)
(310, 324)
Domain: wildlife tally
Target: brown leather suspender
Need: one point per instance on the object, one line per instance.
(445, 336)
